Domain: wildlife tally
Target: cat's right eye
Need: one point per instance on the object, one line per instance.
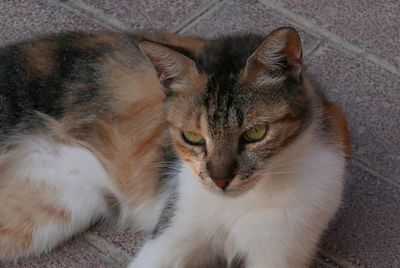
(256, 133)
(192, 138)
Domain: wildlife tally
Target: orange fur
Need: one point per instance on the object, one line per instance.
(129, 147)
(40, 57)
(339, 128)
(28, 206)
(124, 124)
(128, 85)
(100, 39)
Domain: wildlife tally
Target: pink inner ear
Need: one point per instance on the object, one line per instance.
(292, 50)
(175, 71)
(160, 58)
(284, 42)
(168, 63)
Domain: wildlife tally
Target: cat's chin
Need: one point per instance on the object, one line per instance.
(233, 190)
(226, 192)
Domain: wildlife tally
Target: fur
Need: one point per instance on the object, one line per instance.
(275, 224)
(92, 128)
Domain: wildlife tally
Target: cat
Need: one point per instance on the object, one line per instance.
(113, 125)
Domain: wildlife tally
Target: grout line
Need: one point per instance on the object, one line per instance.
(81, 241)
(309, 53)
(321, 31)
(210, 9)
(318, 50)
(92, 13)
(204, 8)
(107, 250)
(99, 17)
(365, 166)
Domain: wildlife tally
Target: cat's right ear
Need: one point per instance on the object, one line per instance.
(176, 72)
(279, 55)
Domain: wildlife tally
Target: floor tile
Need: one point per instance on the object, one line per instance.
(71, 254)
(24, 19)
(323, 262)
(370, 97)
(128, 241)
(149, 15)
(369, 24)
(366, 230)
(235, 17)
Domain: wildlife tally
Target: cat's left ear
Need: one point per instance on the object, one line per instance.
(175, 71)
(280, 54)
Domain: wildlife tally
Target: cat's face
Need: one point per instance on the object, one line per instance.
(236, 107)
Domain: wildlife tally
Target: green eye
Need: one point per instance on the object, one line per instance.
(192, 138)
(255, 133)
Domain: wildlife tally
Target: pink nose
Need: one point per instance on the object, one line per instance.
(222, 183)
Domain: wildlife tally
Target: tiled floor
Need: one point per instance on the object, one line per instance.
(352, 50)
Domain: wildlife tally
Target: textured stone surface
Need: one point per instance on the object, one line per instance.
(370, 97)
(128, 241)
(369, 24)
(366, 231)
(153, 14)
(323, 262)
(235, 17)
(22, 19)
(71, 254)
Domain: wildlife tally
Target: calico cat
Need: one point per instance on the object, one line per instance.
(111, 125)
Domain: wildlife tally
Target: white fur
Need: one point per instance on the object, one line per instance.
(75, 179)
(145, 216)
(275, 224)
(70, 175)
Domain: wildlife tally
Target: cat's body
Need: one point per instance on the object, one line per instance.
(106, 143)
(83, 134)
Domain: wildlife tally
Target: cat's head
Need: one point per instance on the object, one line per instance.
(233, 106)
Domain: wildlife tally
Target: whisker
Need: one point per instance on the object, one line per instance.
(276, 173)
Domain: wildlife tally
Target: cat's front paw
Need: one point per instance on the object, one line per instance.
(141, 262)
(150, 257)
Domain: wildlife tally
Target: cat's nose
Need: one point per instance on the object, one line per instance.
(222, 171)
(222, 183)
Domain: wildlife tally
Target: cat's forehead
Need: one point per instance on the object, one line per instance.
(223, 60)
(227, 55)
(223, 109)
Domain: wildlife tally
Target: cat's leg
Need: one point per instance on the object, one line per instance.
(177, 247)
(273, 240)
(184, 243)
(48, 193)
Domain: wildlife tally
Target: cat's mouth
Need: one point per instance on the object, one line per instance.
(234, 187)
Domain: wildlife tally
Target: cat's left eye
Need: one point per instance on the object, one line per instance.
(192, 138)
(255, 133)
